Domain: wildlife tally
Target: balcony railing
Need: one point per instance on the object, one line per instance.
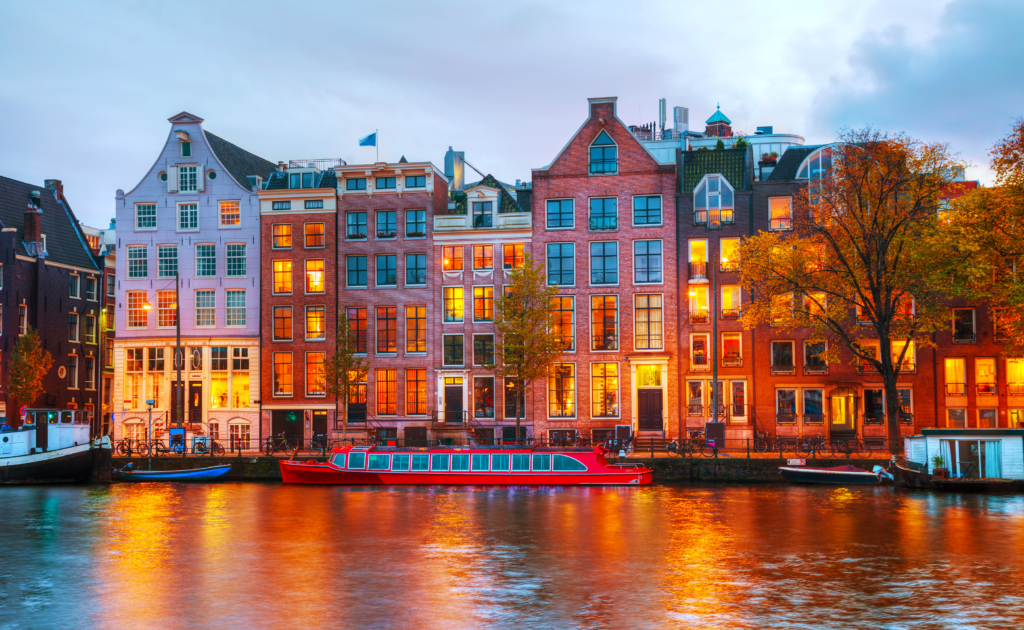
(506, 221)
(874, 418)
(956, 389)
(732, 360)
(987, 389)
(814, 418)
(604, 223)
(785, 418)
(323, 164)
(698, 317)
(1015, 389)
(815, 368)
(780, 225)
(700, 364)
(699, 270)
(731, 313)
(783, 369)
(604, 166)
(647, 136)
(964, 337)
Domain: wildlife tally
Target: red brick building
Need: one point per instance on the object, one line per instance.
(605, 227)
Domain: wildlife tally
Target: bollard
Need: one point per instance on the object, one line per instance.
(748, 448)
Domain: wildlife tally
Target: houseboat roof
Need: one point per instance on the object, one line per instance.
(972, 432)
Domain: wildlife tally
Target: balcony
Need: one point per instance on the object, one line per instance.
(598, 224)
(783, 369)
(1015, 389)
(732, 360)
(987, 389)
(960, 336)
(816, 368)
(699, 317)
(874, 418)
(699, 271)
(814, 418)
(322, 164)
(507, 221)
(785, 418)
(956, 389)
(731, 313)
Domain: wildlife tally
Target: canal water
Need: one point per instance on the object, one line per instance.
(722, 556)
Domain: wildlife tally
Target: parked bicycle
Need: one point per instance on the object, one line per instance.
(208, 447)
(809, 446)
(320, 443)
(279, 444)
(850, 448)
(130, 447)
(623, 446)
(175, 446)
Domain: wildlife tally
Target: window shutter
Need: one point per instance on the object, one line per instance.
(200, 177)
(172, 179)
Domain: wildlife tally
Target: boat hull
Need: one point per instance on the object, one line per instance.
(67, 465)
(195, 475)
(842, 476)
(908, 478)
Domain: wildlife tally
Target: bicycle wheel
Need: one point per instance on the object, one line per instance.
(804, 448)
(216, 449)
(268, 449)
(142, 450)
(123, 450)
(860, 451)
(760, 446)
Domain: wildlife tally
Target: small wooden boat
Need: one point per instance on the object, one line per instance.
(193, 474)
(837, 475)
(471, 466)
(910, 474)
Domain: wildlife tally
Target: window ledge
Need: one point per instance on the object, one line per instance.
(272, 340)
(316, 340)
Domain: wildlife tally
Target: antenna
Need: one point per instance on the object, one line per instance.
(661, 114)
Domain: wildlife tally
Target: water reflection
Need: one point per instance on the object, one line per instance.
(251, 555)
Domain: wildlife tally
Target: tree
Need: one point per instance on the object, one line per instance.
(29, 364)
(528, 338)
(868, 261)
(343, 368)
(720, 145)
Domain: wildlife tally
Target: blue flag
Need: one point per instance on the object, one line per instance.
(369, 141)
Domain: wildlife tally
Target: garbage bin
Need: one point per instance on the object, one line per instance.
(714, 432)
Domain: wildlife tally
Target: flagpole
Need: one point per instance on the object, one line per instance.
(376, 144)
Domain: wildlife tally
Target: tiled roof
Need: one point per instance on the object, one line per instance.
(791, 160)
(328, 180)
(279, 181)
(65, 242)
(718, 116)
(729, 162)
(239, 162)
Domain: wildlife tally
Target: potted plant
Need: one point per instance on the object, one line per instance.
(355, 235)
(770, 157)
(386, 234)
(938, 467)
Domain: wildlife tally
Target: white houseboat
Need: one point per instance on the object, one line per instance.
(976, 459)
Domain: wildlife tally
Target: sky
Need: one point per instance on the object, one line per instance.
(86, 88)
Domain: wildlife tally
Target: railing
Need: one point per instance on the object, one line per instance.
(956, 389)
(964, 337)
(323, 164)
(698, 317)
(814, 418)
(780, 225)
(816, 369)
(783, 369)
(648, 136)
(604, 223)
(874, 418)
(604, 166)
(987, 389)
(732, 360)
(1015, 389)
(700, 364)
(731, 313)
(785, 418)
(698, 270)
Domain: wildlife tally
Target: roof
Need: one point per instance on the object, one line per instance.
(729, 162)
(239, 162)
(983, 432)
(65, 242)
(506, 203)
(279, 180)
(790, 161)
(718, 117)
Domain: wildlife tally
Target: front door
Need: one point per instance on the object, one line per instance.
(416, 436)
(173, 419)
(453, 400)
(195, 402)
(649, 409)
(844, 409)
(319, 423)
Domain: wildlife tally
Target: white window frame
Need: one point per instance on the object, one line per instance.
(177, 225)
(575, 392)
(220, 214)
(205, 308)
(159, 274)
(618, 386)
(771, 228)
(458, 321)
(128, 261)
(75, 286)
(618, 322)
(77, 336)
(195, 250)
(156, 214)
(648, 225)
(722, 346)
(183, 177)
(664, 332)
(771, 357)
(590, 264)
(73, 371)
(664, 268)
(228, 309)
(547, 264)
(244, 258)
(572, 201)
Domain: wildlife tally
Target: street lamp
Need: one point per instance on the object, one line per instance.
(149, 404)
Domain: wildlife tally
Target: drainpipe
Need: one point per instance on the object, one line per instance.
(935, 379)
(753, 333)
(679, 321)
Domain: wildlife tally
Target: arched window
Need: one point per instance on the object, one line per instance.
(133, 429)
(713, 202)
(816, 165)
(604, 155)
(214, 430)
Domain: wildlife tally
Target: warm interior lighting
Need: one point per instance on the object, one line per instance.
(693, 294)
(147, 306)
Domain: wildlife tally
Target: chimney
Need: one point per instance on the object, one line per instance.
(56, 186)
(33, 220)
(281, 167)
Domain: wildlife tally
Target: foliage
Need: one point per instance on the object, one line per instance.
(719, 146)
(343, 368)
(868, 267)
(741, 143)
(29, 364)
(528, 342)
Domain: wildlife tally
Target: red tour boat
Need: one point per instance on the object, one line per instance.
(477, 466)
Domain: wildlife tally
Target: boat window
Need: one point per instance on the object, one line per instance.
(541, 462)
(564, 462)
(379, 462)
(499, 462)
(400, 462)
(521, 461)
(419, 461)
(480, 462)
(338, 460)
(357, 460)
(460, 462)
(439, 461)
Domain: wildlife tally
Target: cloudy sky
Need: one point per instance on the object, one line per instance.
(86, 87)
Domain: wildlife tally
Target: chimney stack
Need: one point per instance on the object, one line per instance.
(33, 220)
(56, 186)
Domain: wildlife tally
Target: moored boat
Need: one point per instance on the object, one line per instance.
(910, 474)
(50, 446)
(209, 473)
(520, 466)
(837, 475)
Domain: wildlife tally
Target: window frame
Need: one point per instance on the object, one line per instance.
(661, 211)
(306, 274)
(444, 304)
(274, 275)
(618, 389)
(320, 378)
(314, 308)
(274, 236)
(274, 374)
(211, 293)
(572, 214)
(191, 206)
(636, 322)
(590, 254)
(289, 318)
(237, 223)
(561, 273)
(661, 257)
(377, 270)
(444, 349)
(551, 390)
(594, 322)
(349, 270)
(415, 268)
(785, 225)
(322, 235)
(156, 215)
(484, 300)
(195, 251)
(228, 258)
(782, 369)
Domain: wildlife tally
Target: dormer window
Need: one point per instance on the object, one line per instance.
(300, 180)
(604, 155)
(186, 149)
(482, 214)
(713, 202)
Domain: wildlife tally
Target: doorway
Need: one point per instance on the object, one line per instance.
(453, 396)
(319, 423)
(195, 402)
(649, 409)
(416, 436)
(844, 409)
(287, 421)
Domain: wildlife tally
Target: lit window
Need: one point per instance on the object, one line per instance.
(562, 391)
(235, 315)
(605, 389)
(732, 349)
(713, 202)
(451, 258)
(649, 318)
(483, 398)
(166, 304)
(282, 323)
(206, 311)
(604, 155)
(453, 304)
(230, 213)
(416, 392)
(564, 319)
(315, 235)
(483, 304)
(316, 381)
(513, 255)
(387, 329)
(604, 318)
(314, 276)
(357, 329)
(316, 323)
(698, 304)
(415, 329)
(780, 211)
(730, 256)
(387, 392)
(236, 260)
(282, 373)
(282, 236)
(138, 262)
(282, 276)
(137, 314)
(483, 257)
(732, 306)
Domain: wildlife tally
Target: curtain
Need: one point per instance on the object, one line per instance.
(1015, 371)
(947, 454)
(992, 452)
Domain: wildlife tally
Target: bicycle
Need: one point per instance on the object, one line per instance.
(129, 447)
(176, 446)
(624, 446)
(208, 447)
(813, 445)
(279, 443)
(846, 448)
(761, 441)
(319, 443)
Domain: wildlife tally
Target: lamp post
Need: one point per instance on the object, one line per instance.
(179, 356)
(149, 404)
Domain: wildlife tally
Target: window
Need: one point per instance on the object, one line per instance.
(73, 372)
(206, 261)
(314, 204)
(316, 381)
(512, 405)
(483, 304)
(956, 376)
(605, 389)
(384, 183)
(415, 223)
(218, 377)
(648, 322)
(483, 397)
(356, 268)
(781, 309)
(111, 283)
(315, 276)
(908, 363)
(315, 235)
(145, 216)
(136, 311)
(316, 323)
(188, 180)
(564, 317)
(814, 357)
(415, 269)
(713, 202)
(648, 261)
(698, 304)
(482, 214)
(560, 214)
(438, 461)
(604, 155)
(604, 317)
(699, 354)
(729, 259)
(166, 261)
(387, 329)
(985, 376)
(604, 263)
(415, 329)
(300, 180)
(780, 213)
(732, 349)
(451, 258)
(240, 378)
(188, 216)
(206, 303)
(108, 359)
(785, 406)
(963, 325)
(186, 148)
(282, 236)
(483, 257)
(604, 214)
(230, 213)
(235, 315)
(387, 224)
(782, 357)
(1014, 377)
(357, 183)
(387, 271)
(415, 181)
(987, 418)
(732, 303)
(453, 352)
(75, 287)
(483, 349)
(874, 406)
(813, 407)
(453, 304)
(166, 309)
(282, 323)
(108, 317)
(561, 264)
(236, 260)
(282, 373)
(356, 225)
(562, 391)
(90, 373)
(73, 327)
(281, 205)
(138, 262)
(646, 211)
(513, 255)
(416, 392)
(357, 329)
(282, 276)
(956, 418)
